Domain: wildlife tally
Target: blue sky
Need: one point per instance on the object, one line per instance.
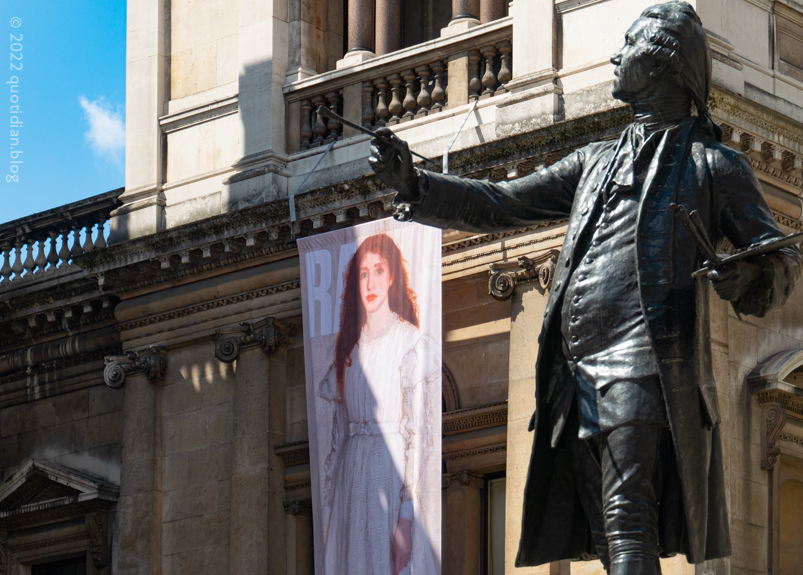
(72, 98)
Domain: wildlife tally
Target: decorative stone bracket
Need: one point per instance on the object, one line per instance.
(466, 478)
(151, 361)
(269, 334)
(774, 417)
(97, 524)
(506, 276)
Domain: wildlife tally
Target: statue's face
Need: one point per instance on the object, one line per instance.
(633, 65)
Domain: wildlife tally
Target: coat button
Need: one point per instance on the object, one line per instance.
(575, 359)
(568, 262)
(574, 338)
(584, 212)
(576, 299)
(589, 261)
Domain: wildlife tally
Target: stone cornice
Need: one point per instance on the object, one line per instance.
(789, 402)
(295, 453)
(725, 105)
(485, 450)
(213, 304)
(474, 418)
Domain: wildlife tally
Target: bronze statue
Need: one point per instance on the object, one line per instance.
(627, 461)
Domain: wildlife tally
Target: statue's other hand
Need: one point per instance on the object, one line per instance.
(733, 281)
(392, 161)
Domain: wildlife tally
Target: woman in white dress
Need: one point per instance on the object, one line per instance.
(376, 473)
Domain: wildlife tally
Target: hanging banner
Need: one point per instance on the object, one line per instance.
(371, 298)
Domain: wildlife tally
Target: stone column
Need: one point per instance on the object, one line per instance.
(142, 212)
(249, 473)
(258, 537)
(462, 530)
(527, 314)
(465, 15)
(491, 10)
(388, 26)
(260, 172)
(360, 36)
(140, 503)
(299, 538)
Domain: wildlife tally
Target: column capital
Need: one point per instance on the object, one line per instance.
(506, 276)
(269, 334)
(151, 361)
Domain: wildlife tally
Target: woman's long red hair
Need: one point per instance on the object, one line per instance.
(352, 313)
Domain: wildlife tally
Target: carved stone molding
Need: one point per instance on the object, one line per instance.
(791, 403)
(486, 450)
(301, 508)
(296, 453)
(774, 417)
(790, 438)
(269, 334)
(297, 485)
(474, 418)
(466, 478)
(151, 361)
(506, 276)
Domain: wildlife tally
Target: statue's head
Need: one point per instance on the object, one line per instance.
(666, 49)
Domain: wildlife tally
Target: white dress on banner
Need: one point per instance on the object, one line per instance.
(380, 464)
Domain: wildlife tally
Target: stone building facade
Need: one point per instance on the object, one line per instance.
(152, 404)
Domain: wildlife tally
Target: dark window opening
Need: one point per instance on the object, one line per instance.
(75, 566)
(423, 20)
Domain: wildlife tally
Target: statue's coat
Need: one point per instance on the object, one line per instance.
(689, 168)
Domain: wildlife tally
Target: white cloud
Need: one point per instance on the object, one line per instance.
(106, 132)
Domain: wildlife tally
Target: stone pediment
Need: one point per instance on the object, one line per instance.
(38, 486)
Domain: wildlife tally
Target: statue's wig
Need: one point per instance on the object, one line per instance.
(676, 37)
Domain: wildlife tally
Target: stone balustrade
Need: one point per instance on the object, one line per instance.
(405, 85)
(42, 243)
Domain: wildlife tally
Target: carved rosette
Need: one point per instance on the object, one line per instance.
(269, 334)
(774, 420)
(151, 361)
(465, 478)
(506, 276)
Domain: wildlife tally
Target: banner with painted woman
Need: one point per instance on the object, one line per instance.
(371, 297)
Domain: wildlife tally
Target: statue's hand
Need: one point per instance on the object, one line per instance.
(402, 547)
(733, 281)
(392, 161)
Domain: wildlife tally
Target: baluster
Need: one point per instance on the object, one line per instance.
(334, 126)
(17, 267)
(505, 75)
(474, 84)
(89, 245)
(306, 127)
(5, 251)
(424, 99)
(29, 264)
(381, 108)
(52, 253)
(100, 241)
(368, 105)
(319, 128)
(41, 260)
(438, 93)
(489, 78)
(76, 241)
(395, 107)
(64, 252)
(409, 98)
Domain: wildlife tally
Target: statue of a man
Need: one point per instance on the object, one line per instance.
(627, 461)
